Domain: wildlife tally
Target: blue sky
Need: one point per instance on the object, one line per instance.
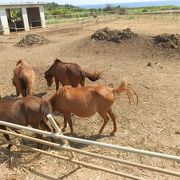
(77, 2)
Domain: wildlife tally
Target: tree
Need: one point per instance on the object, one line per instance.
(108, 7)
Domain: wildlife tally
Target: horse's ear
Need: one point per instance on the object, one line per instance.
(57, 60)
(19, 62)
(13, 81)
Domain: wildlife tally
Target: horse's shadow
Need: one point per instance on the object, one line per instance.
(13, 96)
(13, 158)
(52, 178)
(89, 137)
(40, 94)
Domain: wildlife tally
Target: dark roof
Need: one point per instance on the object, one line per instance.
(21, 4)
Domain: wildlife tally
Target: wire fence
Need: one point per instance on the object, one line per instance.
(60, 23)
(62, 18)
(163, 17)
(57, 26)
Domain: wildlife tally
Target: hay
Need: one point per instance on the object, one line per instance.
(116, 36)
(31, 39)
(167, 40)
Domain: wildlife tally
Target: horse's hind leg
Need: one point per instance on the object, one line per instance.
(65, 125)
(39, 136)
(46, 127)
(105, 117)
(29, 90)
(67, 118)
(113, 120)
(6, 136)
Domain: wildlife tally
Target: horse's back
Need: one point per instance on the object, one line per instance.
(12, 110)
(37, 105)
(25, 111)
(84, 101)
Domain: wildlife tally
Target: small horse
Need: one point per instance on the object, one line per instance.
(23, 78)
(86, 101)
(68, 74)
(25, 111)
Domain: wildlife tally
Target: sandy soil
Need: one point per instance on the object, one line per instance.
(151, 125)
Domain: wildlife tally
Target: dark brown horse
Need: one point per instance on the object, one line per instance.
(23, 78)
(86, 101)
(68, 74)
(25, 111)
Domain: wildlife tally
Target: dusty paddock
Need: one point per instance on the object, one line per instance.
(151, 125)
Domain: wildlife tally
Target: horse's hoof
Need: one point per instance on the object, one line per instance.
(99, 135)
(9, 147)
(39, 146)
(53, 140)
(74, 134)
(112, 133)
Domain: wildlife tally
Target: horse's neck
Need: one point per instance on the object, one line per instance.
(51, 69)
(61, 63)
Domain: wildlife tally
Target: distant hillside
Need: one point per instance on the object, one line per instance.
(136, 4)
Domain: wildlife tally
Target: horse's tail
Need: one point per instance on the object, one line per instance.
(126, 87)
(24, 84)
(92, 76)
(45, 109)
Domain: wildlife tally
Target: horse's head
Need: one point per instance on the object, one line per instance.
(49, 78)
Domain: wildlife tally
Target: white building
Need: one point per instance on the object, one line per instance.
(30, 15)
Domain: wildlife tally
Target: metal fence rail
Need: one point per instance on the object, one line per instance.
(100, 144)
(66, 147)
(121, 161)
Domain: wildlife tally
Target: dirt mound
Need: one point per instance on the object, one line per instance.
(31, 39)
(168, 40)
(116, 36)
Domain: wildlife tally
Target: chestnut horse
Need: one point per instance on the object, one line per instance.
(23, 79)
(25, 111)
(68, 74)
(86, 101)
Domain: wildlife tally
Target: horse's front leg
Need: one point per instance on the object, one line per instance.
(6, 136)
(30, 90)
(57, 84)
(65, 124)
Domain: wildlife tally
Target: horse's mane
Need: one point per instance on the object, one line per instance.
(63, 91)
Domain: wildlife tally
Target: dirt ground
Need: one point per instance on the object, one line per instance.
(152, 125)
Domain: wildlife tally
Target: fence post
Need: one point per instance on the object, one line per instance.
(58, 130)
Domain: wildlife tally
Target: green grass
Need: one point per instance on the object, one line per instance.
(152, 9)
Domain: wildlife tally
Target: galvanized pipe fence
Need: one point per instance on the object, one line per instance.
(66, 147)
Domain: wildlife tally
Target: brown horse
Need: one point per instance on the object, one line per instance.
(25, 111)
(86, 101)
(23, 79)
(68, 74)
